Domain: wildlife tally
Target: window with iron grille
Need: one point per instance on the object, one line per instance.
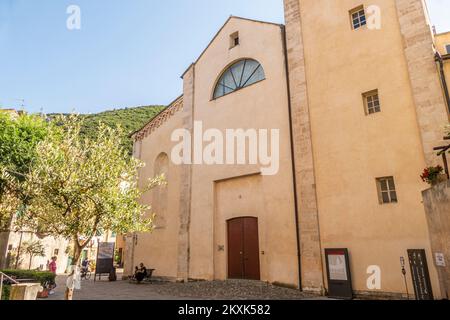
(372, 102)
(447, 47)
(358, 17)
(386, 190)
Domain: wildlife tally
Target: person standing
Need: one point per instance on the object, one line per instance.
(52, 268)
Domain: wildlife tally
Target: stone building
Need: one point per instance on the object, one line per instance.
(11, 243)
(356, 92)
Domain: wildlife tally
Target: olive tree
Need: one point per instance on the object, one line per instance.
(78, 187)
(19, 137)
(33, 249)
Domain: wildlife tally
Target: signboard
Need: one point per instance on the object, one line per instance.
(338, 273)
(105, 258)
(338, 267)
(440, 260)
(420, 274)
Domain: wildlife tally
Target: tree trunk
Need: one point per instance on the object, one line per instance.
(76, 254)
(75, 262)
(69, 294)
(18, 251)
(31, 259)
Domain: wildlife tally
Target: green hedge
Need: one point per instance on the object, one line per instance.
(41, 277)
(6, 291)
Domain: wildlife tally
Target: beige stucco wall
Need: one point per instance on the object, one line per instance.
(157, 249)
(437, 206)
(260, 106)
(49, 243)
(447, 72)
(339, 150)
(351, 149)
(204, 197)
(441, 41)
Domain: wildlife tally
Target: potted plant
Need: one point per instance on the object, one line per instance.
(433, 175)
(44, 293)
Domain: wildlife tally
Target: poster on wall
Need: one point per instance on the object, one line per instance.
(440, 260)
(338, 273)
(338, 267)
(105, 258)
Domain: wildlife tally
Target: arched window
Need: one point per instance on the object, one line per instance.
(240, 75)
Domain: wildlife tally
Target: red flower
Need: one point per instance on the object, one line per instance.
(430, 174)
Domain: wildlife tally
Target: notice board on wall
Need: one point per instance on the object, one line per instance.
(105, 258)
(338, 273)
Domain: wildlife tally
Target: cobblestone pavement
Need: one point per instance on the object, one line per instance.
(215, 290)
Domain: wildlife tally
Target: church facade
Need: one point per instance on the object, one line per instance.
(343, 116)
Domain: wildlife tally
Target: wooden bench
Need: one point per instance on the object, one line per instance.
(147, 278)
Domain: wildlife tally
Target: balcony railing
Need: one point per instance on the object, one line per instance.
(2, 277)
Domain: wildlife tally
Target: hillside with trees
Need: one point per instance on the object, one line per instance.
(130, 119)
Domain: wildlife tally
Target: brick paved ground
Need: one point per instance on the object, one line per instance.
(216, 290)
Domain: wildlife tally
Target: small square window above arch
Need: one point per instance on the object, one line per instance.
(234, 40)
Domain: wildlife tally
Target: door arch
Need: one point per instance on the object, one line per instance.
(243, 248)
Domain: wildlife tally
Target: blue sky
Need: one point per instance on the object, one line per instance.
(127, 53)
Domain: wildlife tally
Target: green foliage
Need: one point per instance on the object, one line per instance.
(33, 249)
(80, 186)
(9, 199)
(433, 175)
(6, 292)
(129, 119)
(40, 276)
(19, 137)
(18, 140)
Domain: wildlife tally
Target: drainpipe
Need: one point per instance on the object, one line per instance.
(294, 177)
(440, 60)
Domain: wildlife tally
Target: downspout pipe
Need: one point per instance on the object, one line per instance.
(294, 176)
(440, 60)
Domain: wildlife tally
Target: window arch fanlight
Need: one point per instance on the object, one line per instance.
(239, 75)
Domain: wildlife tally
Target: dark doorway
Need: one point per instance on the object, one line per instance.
(243, 249)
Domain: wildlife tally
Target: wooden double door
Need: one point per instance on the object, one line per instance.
(243, 249)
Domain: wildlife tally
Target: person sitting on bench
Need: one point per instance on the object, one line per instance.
(140, 273)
